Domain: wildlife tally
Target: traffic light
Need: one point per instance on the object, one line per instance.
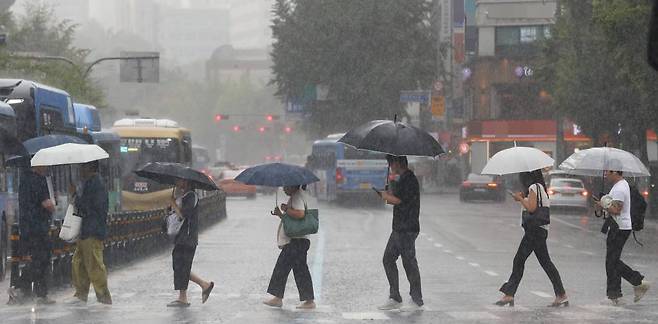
(262, 129)
(236, 128)
(288, 129)
(272, 117)
(220, 117)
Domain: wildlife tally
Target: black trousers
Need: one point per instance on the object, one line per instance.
(182, 258)
(534, 240)
(292, 257)
(402, 244)
(615, 269)
(40, 251)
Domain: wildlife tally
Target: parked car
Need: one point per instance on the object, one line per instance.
(482, 187)
(234, 188)
(565, 192)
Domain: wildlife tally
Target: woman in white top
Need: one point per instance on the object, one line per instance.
(534, 240)
(293, 255)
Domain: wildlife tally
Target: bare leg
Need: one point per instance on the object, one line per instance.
(197, 280)
(182, 296)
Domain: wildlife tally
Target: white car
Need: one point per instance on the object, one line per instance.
(568, 192)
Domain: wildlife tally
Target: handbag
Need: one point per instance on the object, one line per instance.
(294, 227)
(541, 216)
(174, 224)
(70, 230)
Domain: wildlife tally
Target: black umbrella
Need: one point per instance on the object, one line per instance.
(395, 138)
(168, 173)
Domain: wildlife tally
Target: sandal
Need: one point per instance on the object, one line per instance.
(178, 303)
(206, 292)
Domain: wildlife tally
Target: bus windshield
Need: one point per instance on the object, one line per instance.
(354, 154)
(136, 152)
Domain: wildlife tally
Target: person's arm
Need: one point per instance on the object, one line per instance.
(188, 204)
(405, 191)
(390, 199)
(616, 207)
(529, 203)
(293, 212)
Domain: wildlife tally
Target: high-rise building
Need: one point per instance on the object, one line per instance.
(250, 23)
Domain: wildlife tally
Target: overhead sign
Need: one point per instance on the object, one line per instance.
(145, 68)
(294, 106)
(422, 96)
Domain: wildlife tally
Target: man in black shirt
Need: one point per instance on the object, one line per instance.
(35, 212)
(405, 198)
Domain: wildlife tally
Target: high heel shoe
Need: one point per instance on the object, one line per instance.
(564, 303)
(501, 303)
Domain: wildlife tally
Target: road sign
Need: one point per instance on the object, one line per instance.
(140, 70)
(438, 106)
(422, 96)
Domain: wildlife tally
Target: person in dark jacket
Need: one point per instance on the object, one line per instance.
(404, 195)
(35, 213)
(91, 202)
(185, 206)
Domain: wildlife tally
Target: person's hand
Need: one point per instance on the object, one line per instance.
(276, 212)
(284, 207)
(517, 196)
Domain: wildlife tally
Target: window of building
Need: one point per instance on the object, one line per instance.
(507, 36)
(528, 34)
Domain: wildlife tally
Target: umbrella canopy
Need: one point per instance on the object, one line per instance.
(593, 161)
(33, 145)
(395, 138)
(69, 153)
(276, 175)
(168, 173)
(517, 160)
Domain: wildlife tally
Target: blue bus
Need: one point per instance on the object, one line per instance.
(86, 116)
(40, 109)
(8, 181)
(345, 171)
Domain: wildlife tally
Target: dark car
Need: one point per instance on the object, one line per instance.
(482, 187)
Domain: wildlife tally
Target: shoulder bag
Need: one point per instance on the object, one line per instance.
(541, 216)
(294, 227)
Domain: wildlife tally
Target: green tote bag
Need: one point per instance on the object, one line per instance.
(294, 227)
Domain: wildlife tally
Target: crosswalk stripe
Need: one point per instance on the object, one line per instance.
(473, 264)
(473, 316)
(439, 245)
(491, 273)
(540, 294)
(460, 258)
(365, 316)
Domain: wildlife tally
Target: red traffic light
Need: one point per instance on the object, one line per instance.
(236, 128)
(261, 129)
(270, 118)
(288, 130)
(220, 117)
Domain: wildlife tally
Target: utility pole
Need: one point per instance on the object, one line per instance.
(559, 123)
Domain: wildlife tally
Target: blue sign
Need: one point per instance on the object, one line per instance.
(415, 96)
(294, 106)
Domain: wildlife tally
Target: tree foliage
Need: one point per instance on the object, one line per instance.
(364, 51)
(600, 78)
(39, 32)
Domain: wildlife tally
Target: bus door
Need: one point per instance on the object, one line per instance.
(323, 164)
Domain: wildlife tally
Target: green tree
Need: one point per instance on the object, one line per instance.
(365, 52)
(38, 31)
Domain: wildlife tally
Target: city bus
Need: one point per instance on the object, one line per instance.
(345, 171)
(39, 109)
(86, 117)
(8, 182)
(145, 140)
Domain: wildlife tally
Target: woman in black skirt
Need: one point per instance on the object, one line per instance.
(535, 195)
(185, 245)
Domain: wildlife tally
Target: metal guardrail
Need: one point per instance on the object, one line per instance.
(131, 236)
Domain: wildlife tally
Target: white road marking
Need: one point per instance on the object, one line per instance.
(472, 316)
(473, 264)
(569, 224)
(365, 316)
(541, 294)
(447, 251)
(568, 246)
(439, 245)
(430, 239)
(460, 258)
(318, 264)
(491, 273)
(587, 253)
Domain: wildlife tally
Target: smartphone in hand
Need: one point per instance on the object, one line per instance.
(377, 191)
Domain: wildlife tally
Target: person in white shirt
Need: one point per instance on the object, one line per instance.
(293, 254)
(620, 227)
(534, 240)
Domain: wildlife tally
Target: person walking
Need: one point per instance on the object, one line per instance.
(91, 203)
(293, 254)
(35, 212)
(619, 225)
(405, 198)
(535, 196)
(186, 206)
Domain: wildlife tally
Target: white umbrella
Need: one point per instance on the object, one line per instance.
(516, 160)
(69, 153)
(593, 161)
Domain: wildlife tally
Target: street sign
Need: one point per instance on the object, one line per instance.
(140, 70)
(294, 106)
(438, 106)
(422, 96)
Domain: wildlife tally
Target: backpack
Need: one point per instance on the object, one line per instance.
(638, 209)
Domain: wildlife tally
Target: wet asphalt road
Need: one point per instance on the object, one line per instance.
(465, 253)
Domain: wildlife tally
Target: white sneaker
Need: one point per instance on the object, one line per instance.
(412, 307)
(390, 305)
(640, 291)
